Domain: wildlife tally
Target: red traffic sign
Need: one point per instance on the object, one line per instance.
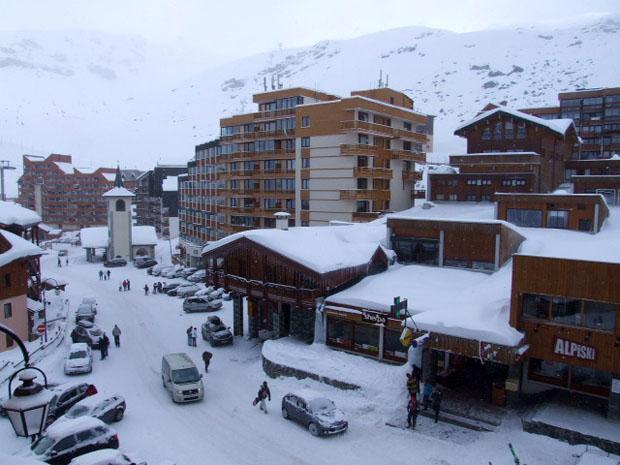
(41, 329)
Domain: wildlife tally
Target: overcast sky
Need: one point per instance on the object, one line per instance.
(241, 28)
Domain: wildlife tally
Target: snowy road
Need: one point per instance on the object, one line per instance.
(225, 428)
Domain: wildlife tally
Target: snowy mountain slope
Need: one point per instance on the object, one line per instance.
(105, 98)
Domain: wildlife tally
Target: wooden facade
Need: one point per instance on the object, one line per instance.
(583, 212)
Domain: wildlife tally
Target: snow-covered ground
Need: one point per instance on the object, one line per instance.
(225, 428)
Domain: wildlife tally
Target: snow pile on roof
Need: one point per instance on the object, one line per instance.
(49, 230)
(20, 248)
(441, 169)
(170, 183)
(320, 248)
(559, 126)
(119, 192)
(450, 211)
(67, 168)
(13, 213)
(65, 428)
(97, 237)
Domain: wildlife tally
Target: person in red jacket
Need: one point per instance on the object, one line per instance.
(263, 394)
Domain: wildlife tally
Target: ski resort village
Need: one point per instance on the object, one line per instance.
(320, 281)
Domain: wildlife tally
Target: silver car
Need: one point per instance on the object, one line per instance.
(201, 304)
(79, 360)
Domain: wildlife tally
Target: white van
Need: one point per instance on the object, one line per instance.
(181, 378)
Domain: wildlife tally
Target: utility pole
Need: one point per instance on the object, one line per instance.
(4, 165)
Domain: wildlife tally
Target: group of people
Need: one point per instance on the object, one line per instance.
(104, 275)
(59, 263)
(125, 285)
(158, 288)
(104, 341)
(192, 336)
(431, 397)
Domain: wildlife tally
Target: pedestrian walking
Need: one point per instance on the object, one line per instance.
(59, 264)
(128, 285)
(436, 401)
(206, 357)
(106, 344)
(100, 275)
(189, 336)
(108, 273)
(120, 287)
(67, 261)
(262, 396)
(116, 332)
(427, 390)
(154, 288)
(124, 284)
(101, 347)
(194, 336)
(412, 413)
(146, 289)
(160, 287)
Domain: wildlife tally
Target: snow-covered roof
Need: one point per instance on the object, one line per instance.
(65, 428)
(119, 192)
(170, 183)
(13, 213)
(109, 176)
(97, 237)
(20, 248)
(48, 229)
(559, 126)
(67, 168)
(320, 248)
(494, 154)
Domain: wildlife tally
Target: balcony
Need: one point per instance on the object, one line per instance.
(412, 176)
(368, 172)
(364, 194)
(381, 130)
(364, 217)
(375, 151)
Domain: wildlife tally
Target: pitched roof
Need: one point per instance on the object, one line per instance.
(13, 213)
(19, 248)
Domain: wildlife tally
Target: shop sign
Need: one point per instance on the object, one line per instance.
(574, 349)
(373, 317)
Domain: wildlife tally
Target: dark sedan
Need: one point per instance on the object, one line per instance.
(145, 263)
(214, 332)
(115, 262)
(107, 409)
(169, 287)
(319, 415)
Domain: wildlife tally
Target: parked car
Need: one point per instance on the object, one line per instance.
(66, 396)
(167, 287)
(201, 304)
(206, 291)
(146, 264)
(319, 415)
(181, 378)
(106, 457)
(115, 262)
(85, 312)
(90, 301)
(106, 409)
(184, 290)
(79, 360)
(226, 296)
(63, 252)
(198, 276)
(185, 272)
(157, 269)
(215, 332)
(217, 294)
(87, 332)
(64, 441)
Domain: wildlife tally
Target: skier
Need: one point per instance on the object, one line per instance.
(100, 275)
(427, 390)
(206, 357)
(116, 332)
(189, 336)
(194, 336)
(146, 289)
(128, 285)
(108, 273)
(263, 393)
(436, 401)
(412, 413)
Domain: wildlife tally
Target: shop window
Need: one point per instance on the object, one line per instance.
(524, 217)
(536, 306)
(585, 225)
(392, 347)
(366, 339)
(486, 134)
(566, 311)
(599, 315)
(415, 250)
(557, 219)
(339, 333)
(590, 380)
(548, 372)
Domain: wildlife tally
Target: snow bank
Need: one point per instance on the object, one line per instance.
(20, 248)
(13, 213)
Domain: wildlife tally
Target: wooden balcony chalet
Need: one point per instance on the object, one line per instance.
(364, 194)
(412, 176)
(381, 130)
(370, 172)
(364, 217)
(375, 151)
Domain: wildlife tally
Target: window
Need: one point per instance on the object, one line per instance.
(305, 163)
(305, 142)
(407, 125)
(269, 165)
(305, 205)
(8, 310)
(508, 130)
(120, 205)
(524, 217)
(363, 139)
(453, 197)
(497, 131)
(521, 131)
(548, 372)
(366, 338)
(567, 311)
(339, 333)
(6, 280)
(290, 165)
(8, 341)
(585, 225)
(416, 250)
(362, 183)
(362, 116)
(471, 198)
(305, 121)
(440, 197)
(599, 315)
(407, 145)
(486, 133)
(305, 184)
(557, 219)
(362, 206)
(362, 161)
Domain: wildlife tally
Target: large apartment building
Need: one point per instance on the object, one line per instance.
(66, 196)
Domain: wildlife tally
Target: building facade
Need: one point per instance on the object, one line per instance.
(67, 197)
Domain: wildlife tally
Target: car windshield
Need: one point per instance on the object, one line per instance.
(77, 411)
(41, 445)
(321, 404)
(185, 375)
(78, 354)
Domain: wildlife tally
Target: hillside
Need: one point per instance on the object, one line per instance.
(105, 98)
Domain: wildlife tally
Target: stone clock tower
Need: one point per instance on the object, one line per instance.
(119, 220)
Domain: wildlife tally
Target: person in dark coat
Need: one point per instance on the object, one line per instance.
(128, 285)
(263, 395)
(102, 347)
(59, 264)
(67, 261)
(124, 284)
(74, 336)
(412, 413)
(189, 336)
(106, 344)
(436, 401)
(100, 275)
(206, 357)
(108, 273)
(146, 289)
(154, 288)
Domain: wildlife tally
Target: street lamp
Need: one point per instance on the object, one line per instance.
(28, 405)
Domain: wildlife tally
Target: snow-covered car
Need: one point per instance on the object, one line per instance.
(79, 360)
(106, 408)
(115, 263)
(217, 294)
(319, 415)
(185, 272)
(227, 296)
(170, 272)
(157, 269)
(66, 396)
(68, 439)
(167, 287)
(87, 332)
(198, 276)
(215, 332)
(106, 457)
(201, 304)
(90, 301)
(145, 263)
(206, 291)
(85, 312)
(184, 290)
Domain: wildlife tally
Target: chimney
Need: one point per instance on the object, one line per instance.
(282, 220)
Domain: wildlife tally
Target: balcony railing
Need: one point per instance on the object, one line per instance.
(363, 217)
(369, 172)
(375, 151)
(364, 194)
